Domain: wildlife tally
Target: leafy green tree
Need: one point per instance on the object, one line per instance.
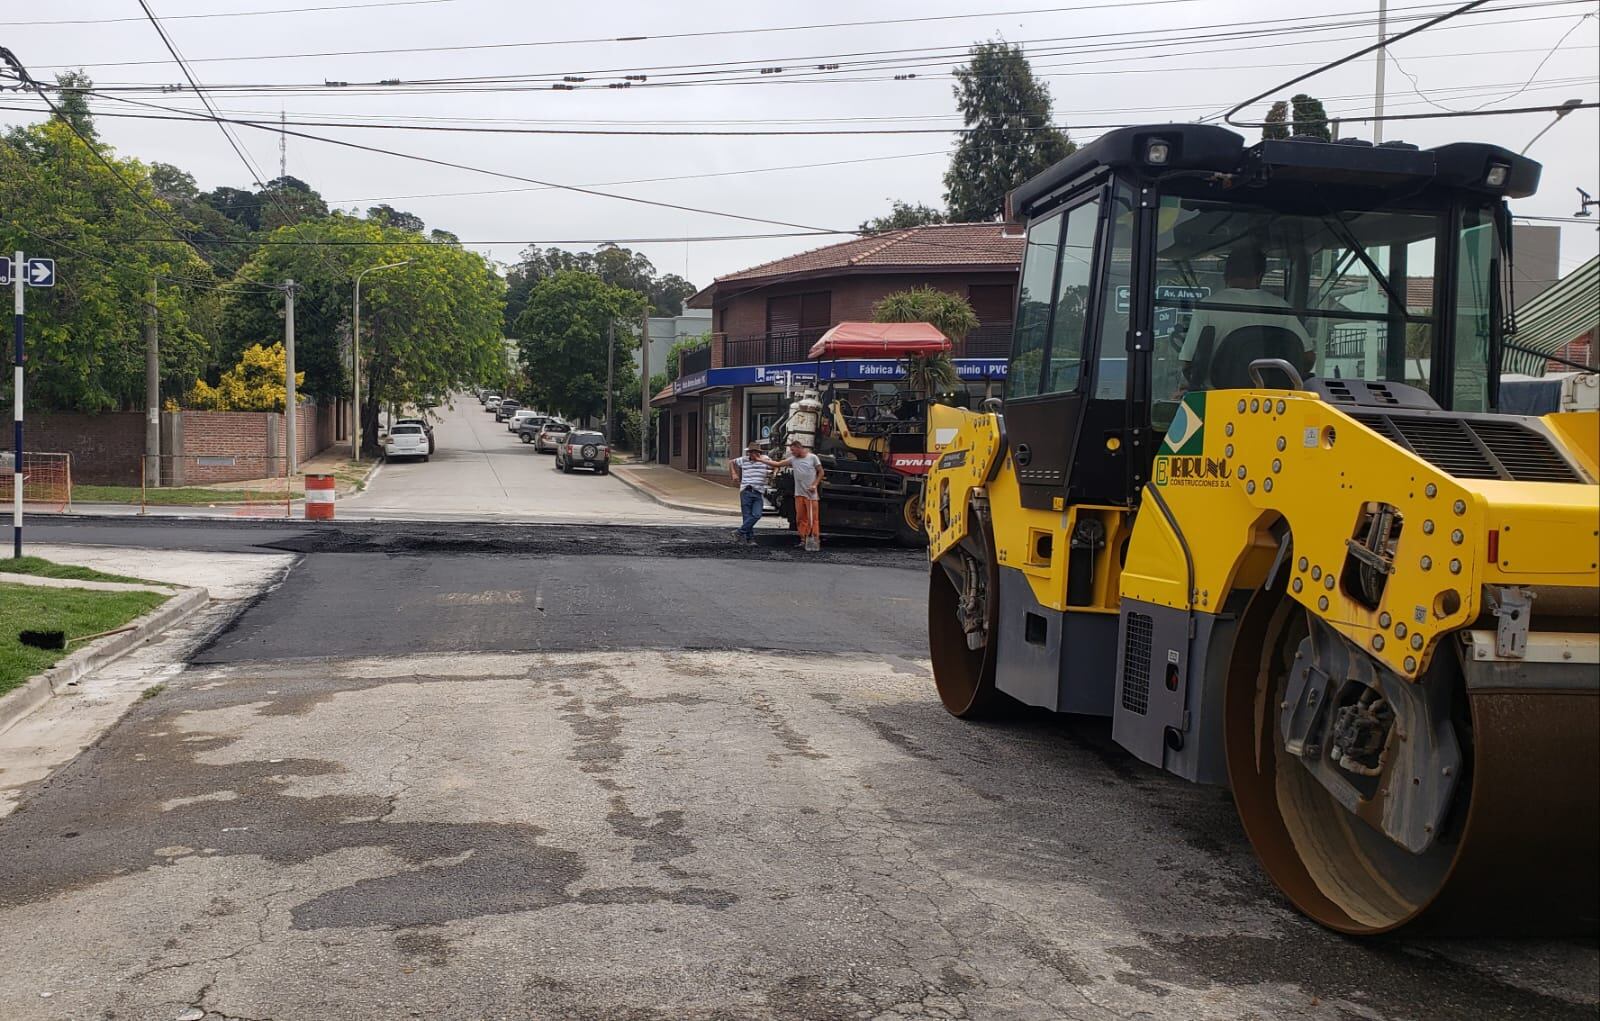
(617, 266)
(288, 200)
(389, 216)
(73, 102)
(1277, 121)
(427, 328)
(1010, 136)
(563, 341)
(1309, 117)
(85, 336)
(668, 293)
(902, 215)
(236, 205)
(257, 383)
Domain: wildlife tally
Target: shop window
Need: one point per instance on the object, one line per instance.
(719, 427)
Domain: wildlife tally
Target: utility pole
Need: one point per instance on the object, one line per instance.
(291, 463)
(355, 355)
(18, 268)
(152, 391)
(644, 386)
(1383, 60)
(611, 359)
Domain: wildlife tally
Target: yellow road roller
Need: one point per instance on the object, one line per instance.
(1250, 493)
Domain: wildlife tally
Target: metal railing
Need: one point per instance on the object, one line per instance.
(770, 348)
(991, 341)
(696, 359)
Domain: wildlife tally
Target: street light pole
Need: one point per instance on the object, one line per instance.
(1566, 108)
(355, 358)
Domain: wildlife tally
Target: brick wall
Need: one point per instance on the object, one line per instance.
(105, 448)
(253, 439)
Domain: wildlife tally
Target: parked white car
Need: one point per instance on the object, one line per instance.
(518, 417)
(406, 440)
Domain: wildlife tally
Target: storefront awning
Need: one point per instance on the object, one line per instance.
(880, 340)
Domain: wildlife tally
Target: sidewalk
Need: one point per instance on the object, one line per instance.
(678, 490)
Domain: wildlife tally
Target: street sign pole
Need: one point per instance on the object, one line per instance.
(18, 270)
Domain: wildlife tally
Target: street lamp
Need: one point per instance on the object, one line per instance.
(1561, 111)
(355, 356)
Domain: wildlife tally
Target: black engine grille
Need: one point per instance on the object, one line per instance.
(1136, 663)
(1484, 447)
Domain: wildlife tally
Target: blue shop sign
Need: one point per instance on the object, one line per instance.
(873, 369)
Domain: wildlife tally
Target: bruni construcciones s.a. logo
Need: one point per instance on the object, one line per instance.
(1181, 460)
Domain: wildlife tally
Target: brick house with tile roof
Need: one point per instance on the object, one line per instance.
(764, 319)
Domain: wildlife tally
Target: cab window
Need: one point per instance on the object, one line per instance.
(1031, 333)
(1065, 366)
(1053, 303)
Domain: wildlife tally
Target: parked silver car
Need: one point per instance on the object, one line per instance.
(551, 436)
(584, 449)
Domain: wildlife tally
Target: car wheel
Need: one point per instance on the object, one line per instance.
(604, 469)
(424, 458)
(566, 467)
(527, 439)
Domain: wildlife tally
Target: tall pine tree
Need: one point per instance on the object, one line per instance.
(1009, 138)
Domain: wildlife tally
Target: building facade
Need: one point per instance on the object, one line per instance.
(765, 319)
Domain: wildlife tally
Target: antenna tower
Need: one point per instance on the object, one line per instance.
(283, 143)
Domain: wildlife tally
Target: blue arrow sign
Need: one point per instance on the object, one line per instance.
(41, 273)
(5, 271)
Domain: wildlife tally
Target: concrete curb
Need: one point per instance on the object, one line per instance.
(67, 672)
(639, 485)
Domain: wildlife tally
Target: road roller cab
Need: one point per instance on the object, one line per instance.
(1250, 497)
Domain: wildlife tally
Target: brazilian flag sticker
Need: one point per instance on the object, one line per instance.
(1187, 434)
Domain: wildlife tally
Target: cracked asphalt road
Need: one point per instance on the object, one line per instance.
(394, 788)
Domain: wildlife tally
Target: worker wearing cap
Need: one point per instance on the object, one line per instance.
(750, 473)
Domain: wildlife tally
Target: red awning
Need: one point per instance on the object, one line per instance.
(880, 340)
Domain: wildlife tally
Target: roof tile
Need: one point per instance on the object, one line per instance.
(949, 244)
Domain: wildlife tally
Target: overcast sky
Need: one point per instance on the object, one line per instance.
(1106, 64)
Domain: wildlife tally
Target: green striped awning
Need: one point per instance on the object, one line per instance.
(1556, 317)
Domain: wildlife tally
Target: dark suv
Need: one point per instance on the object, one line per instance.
(584, 449)
(506, 407)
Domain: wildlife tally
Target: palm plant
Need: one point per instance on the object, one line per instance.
(948, 313)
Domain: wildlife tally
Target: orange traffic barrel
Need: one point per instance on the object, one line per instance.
(319, 497)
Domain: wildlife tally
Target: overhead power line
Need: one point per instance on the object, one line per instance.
(701, 34)
(833, 65)
(232, 14)
(249, 165)
(1330, 65)
(592, 126)
(179, 235)
(221, 121)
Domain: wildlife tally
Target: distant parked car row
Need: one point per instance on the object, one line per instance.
(549, 434)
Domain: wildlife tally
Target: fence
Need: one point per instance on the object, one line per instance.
(46, 480)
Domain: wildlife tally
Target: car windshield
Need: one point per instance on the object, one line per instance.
(557, 427)
(406, 430)
(588, 438)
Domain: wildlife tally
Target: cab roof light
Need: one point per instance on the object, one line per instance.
(1157, 152)
(1496, 177)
